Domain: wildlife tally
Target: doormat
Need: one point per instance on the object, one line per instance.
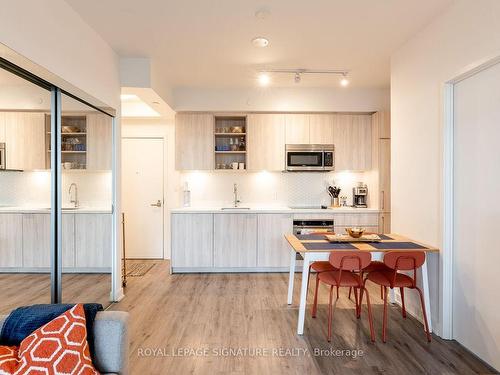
(139, 269)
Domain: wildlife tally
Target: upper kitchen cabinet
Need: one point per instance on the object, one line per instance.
(321, 129)
(99, 141)
(381, 124)
(297, 128)
(24, 137)
(194, 141)
(2, 127)
(352, 137)
(266, 142)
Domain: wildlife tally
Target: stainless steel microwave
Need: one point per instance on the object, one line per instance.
(310, 158)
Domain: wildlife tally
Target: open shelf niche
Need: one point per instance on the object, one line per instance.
(230, 142)
(73, 141)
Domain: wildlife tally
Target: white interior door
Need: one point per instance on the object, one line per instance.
(476, 243)
(142, 196)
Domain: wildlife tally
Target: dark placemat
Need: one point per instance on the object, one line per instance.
(384, 237)
(328, 246)
(309, 237)
(396, 245)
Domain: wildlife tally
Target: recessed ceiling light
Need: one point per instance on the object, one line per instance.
(128, 97)
(264, 79)
(156, 103)
(260, 42)
(262, 14)
(344, 81)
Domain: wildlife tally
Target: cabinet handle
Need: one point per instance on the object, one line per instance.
(383, 224)
(383, 200)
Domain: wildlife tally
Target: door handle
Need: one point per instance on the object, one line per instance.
(157, 204)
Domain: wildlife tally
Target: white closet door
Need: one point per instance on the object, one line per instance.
(476, 301)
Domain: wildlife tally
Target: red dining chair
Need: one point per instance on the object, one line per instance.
(375, 265)
(348, 267)
(399, 261)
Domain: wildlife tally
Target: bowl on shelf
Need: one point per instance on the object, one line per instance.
(355, 232)
(236, 129)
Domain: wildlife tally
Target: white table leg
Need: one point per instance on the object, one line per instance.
(427, 298)
(291, 277)
(303, 294)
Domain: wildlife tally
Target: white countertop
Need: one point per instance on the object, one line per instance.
(274, 209)
(45, 209)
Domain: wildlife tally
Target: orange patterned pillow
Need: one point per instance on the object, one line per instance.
(58, 347)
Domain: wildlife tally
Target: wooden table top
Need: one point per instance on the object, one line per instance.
(390, 242)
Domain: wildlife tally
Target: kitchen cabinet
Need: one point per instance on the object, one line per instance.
(273, 249)
(352, 138)
(11, 240)
(266, 142)
(36, 240)
(235, 240)
(194, 141)
(2, 127)
(24, 140)
(192, 240)
(68, 241)
(384, 171)
(382, 124)
(321, 129)
(297, 128)
(93, 241)
(99, 141)
(385, 222)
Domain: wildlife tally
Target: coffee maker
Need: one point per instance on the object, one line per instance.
(360, 196)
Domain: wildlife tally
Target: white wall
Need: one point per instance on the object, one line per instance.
(281, 99)
(468, 32)
(51, 34)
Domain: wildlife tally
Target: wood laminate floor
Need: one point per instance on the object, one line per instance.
(20, 289)
(187, 324)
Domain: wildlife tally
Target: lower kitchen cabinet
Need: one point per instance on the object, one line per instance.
(273, 249)
(385, 222)
(36, 240)
(11, 240)
(93, 241)
(192, 240)
(235, 240)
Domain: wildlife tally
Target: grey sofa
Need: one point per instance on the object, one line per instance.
(110, 342)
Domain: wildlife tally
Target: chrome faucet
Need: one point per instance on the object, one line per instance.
(75, 200)
(235, 192)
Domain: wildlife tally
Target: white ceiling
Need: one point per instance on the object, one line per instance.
(208, 43)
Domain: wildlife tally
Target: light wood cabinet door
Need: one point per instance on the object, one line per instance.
(68, 240)
(382, 124)
(353, 142)
(192, 240)
(93, 240)
(99, 142)
(36, 240)
(266, 142)
(11, 240)
(2, 127)
(235, 240)
(385, 174)
(385, 223)
(194, 141)
(25, 140)
(272, 248)
(297, 128)
(321, 129)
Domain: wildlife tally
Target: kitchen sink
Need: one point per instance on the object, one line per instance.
(235, 208)
(70, 208)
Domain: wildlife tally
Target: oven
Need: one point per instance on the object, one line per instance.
(309, 158)
(313, 226)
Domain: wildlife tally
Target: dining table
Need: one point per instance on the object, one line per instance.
(316, 247)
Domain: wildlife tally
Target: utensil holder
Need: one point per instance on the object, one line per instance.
(335, 202)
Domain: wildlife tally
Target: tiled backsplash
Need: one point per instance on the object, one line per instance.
(33, 188)
(269, 188)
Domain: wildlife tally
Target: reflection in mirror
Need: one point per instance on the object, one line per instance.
(25, 193)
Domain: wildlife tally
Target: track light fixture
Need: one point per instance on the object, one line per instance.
(299, 72)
